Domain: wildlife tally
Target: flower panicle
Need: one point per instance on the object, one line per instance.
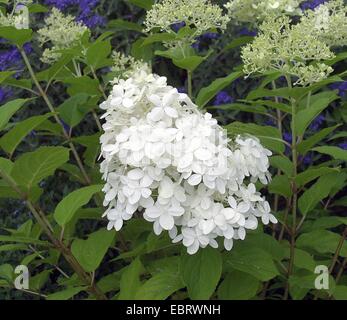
(176, 166)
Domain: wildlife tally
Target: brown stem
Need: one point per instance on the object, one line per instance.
(51, 108)
(64, 250)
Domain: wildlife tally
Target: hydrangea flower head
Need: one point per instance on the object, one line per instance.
(166, 160)
(255, 11)
(62, 32)
(200, 15)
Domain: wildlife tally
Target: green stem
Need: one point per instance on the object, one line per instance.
(190, 85)
(279, 125)
(294, 189)
(59, 245)
(51, 108)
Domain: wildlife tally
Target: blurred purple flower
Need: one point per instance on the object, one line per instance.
(317, 122)
(10, 59)
(341, 87)
(61, 4)
(177, 26)
(311, 4)
(65, 125)
(307, 159)
(204, 39)
(343, 145)
(222, 97)
(5, 94)
(246, 32)
(86, 15)
(91, 21)
(287, 136)
(182, 90)
(270, 122)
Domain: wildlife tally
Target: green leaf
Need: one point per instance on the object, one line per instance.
(281, 92)
(9, 109)
(140, 52)
(12, 247)
(163, 284)
(16, 36)
(189, 63)
(111, 282)
(13, 138)
(340, 293)
(307, 144)
(145, 4)
(72, 111)
(264, 242)
(90, 252)
(282, 163)
(158, 37)
(83, 84)
(322, 241)
(304, 260)
(310, 174)
(38, 281)
(281, 185)
(328, 222)
(317, 192)
(37, 8)
(185, 60)
(65, 294)
(240, 107)
(130, 280)
(304, 117)
(335, 152)
(92, 148)
(120, 24)
(67, 207)
(201, 272)
(32, 167)
(97, 53)
(5, 74)
(19, 239)
(271, 104)
(238, 286)
(6, 165)
(56, 70)
(207, 93)
(238, 42)
(253, 261)
(6, 272)
(269, 136)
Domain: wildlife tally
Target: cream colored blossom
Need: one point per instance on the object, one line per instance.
(290, 48)
(200, 15)
(255, 11)
(62, 32)
(124, 66)
(328, 22)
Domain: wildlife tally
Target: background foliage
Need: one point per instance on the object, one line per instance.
(50, 175)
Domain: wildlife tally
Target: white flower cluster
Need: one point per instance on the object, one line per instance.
(199, 15)
(18, 18)
(165, 159)
(255, 11)
(328, 22)
(62, 32)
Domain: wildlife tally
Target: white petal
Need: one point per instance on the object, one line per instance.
(166, 221)
(135, 174)
(203, 154)
(171, 112)
(228, 244)
(194, 179)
